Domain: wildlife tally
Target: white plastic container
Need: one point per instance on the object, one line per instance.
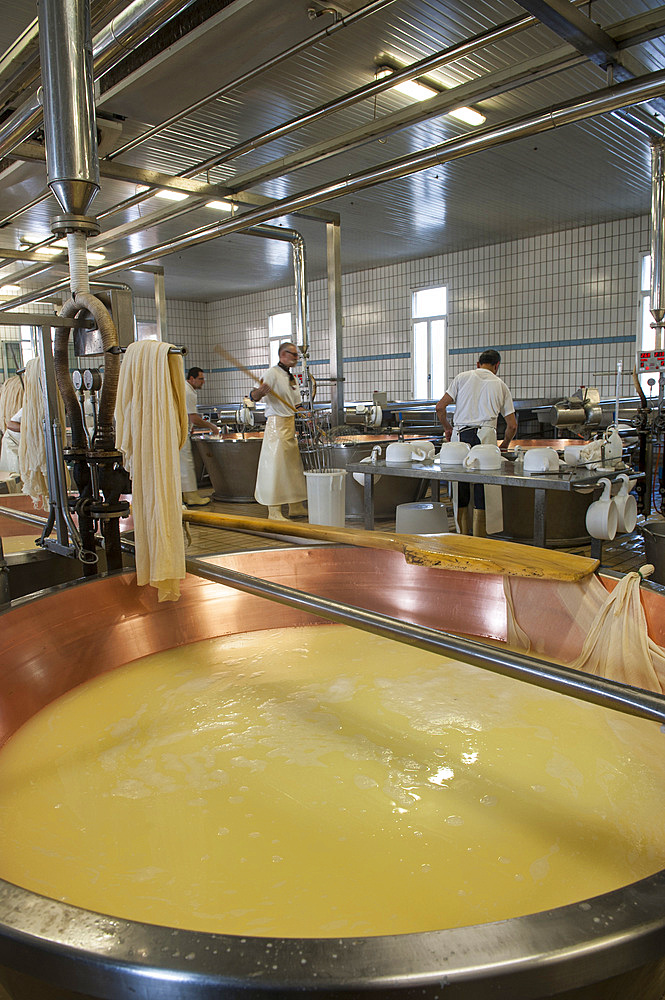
(326, 496)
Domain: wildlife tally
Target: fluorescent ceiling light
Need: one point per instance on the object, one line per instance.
(422, 92)
(221, 206)
(468, 115)
(50, 251)
(169, 195)
(95, 257)
(411, 88)
(11, 290)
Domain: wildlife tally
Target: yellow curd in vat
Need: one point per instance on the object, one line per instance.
(320, 781)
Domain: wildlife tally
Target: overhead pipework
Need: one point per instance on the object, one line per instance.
(65, 42)
(658, 239)
(73, 177)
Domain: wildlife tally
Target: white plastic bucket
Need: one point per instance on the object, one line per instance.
(326, 496)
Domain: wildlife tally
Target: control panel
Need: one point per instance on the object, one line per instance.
(651, 361)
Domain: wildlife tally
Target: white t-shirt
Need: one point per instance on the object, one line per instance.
(279, 380)
(190, 398)
(479, 396)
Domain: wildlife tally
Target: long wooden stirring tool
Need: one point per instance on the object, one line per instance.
(464, 553)
(241, 368)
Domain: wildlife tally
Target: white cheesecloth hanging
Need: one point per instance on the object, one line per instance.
(151, 427)
(588, 628)
(32, 443)
(11, 400)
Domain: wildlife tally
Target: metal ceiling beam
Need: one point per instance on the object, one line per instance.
(575, 28)
(590, 105)
(472, 92)
(587, 37)
(33, 152)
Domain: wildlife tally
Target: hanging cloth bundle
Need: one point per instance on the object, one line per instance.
(11, 400)
(32, 444)
(601, 633)
(151, 427)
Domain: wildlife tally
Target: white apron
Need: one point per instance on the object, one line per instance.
(187, 471)
(493, 494)
(280, 478)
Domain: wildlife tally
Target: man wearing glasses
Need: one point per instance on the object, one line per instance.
(280, 478)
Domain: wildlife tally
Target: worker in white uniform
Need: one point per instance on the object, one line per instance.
(280, 478)
(10, 443)
(479, 396)
(190, 494)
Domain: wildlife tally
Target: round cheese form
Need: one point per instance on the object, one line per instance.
(323, 782)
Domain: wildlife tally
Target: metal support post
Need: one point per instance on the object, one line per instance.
(335, 321)
(56, 474)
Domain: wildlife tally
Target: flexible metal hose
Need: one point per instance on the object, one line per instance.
(105, 437)
(79, 279)
(63, 378)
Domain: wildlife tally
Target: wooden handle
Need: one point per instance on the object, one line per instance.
(241, 368)
(460, 553)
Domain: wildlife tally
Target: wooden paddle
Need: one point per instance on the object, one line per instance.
(241, 368)
(463, 553)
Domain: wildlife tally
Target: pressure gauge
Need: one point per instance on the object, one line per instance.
(77, 379)
(92, 379)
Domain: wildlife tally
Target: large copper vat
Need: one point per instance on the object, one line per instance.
(611, 947)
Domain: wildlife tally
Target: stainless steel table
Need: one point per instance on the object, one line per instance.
(570, 478)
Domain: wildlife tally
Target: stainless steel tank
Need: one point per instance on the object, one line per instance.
(232, 461)
(566, 510)
(611, 947)
(390, 491)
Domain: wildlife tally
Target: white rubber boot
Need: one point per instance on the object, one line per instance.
(194, 500)
(275, 513)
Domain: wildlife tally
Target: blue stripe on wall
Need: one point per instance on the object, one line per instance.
(577, 342)
(325, 361)
(525, 346)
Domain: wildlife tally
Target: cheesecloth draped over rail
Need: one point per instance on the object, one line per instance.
(151, 427)
(11, 400)
(585, 627)
(32, 443)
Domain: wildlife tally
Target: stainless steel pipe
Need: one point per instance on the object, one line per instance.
(657, 305)
(507, 662)
(601, 102)
(133, 25)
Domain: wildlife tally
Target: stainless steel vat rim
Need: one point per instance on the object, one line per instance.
(535, 955)
(528, 957)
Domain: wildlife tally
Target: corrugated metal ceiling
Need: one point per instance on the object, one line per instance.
(596, 170)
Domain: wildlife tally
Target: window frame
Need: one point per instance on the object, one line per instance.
(437, 360)
(275, 339)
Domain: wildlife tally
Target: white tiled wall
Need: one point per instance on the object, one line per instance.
(561, 307)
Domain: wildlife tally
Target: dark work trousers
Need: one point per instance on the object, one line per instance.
(470, 436)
